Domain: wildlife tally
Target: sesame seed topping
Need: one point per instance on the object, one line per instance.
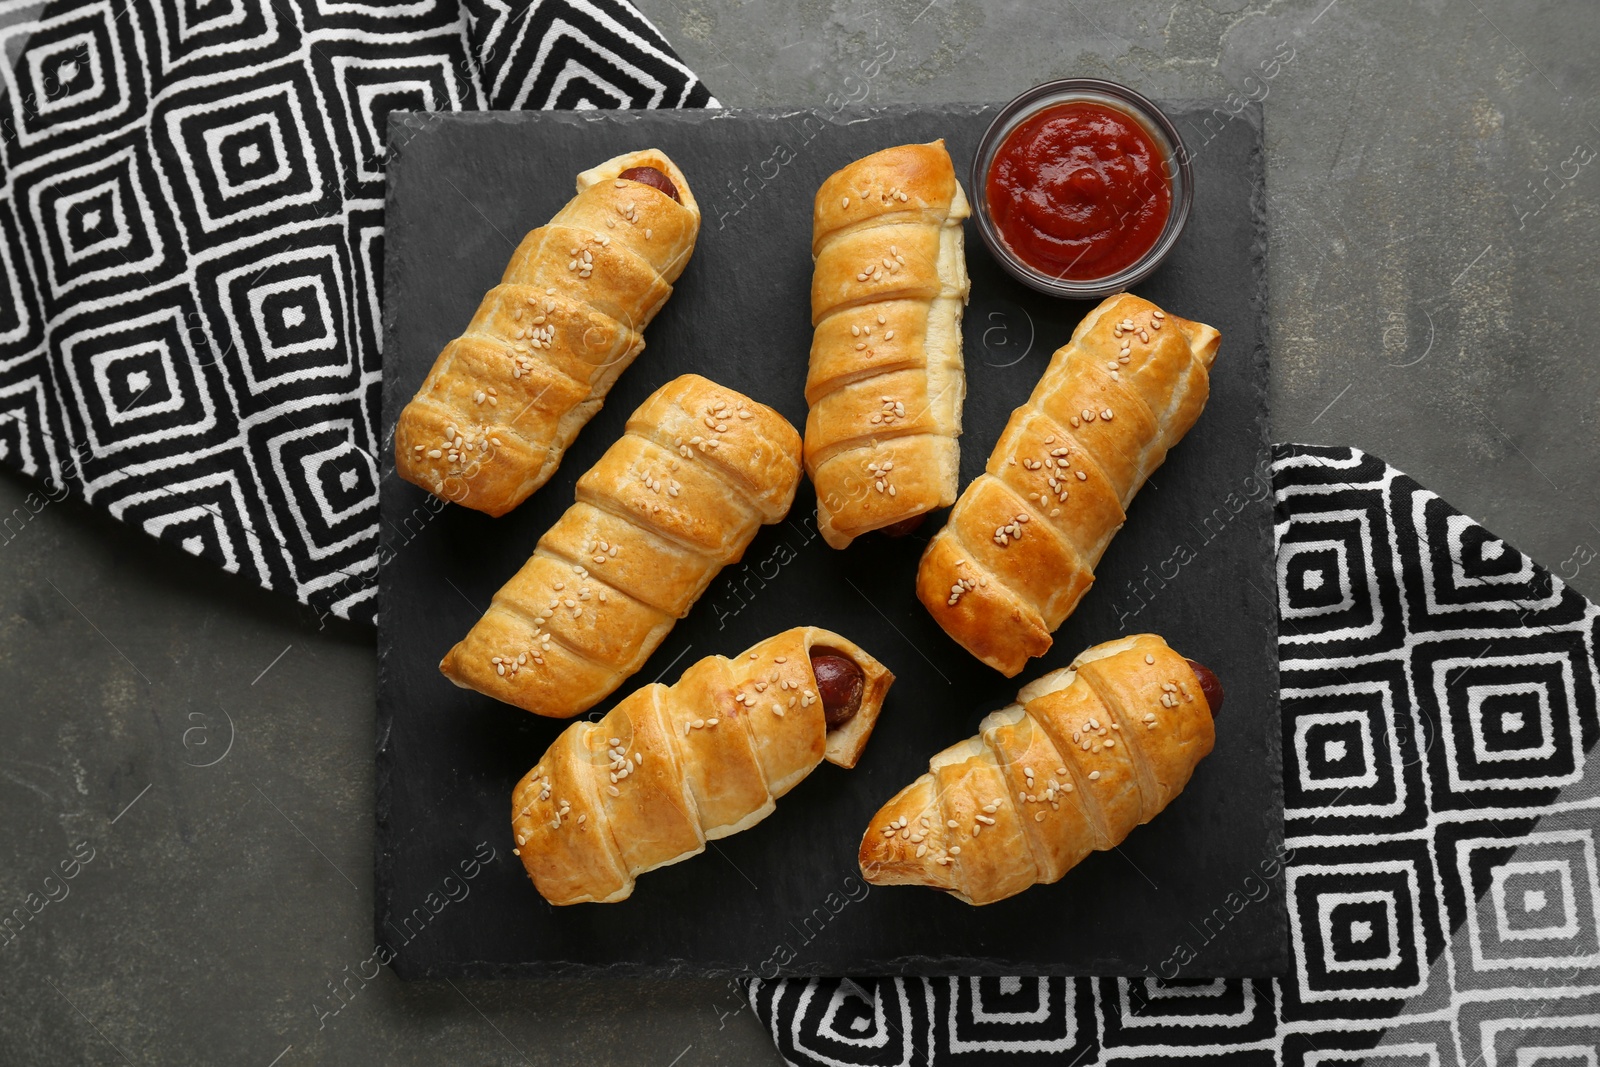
(1148, 658)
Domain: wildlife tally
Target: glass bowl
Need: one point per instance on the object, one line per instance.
(1175, 167)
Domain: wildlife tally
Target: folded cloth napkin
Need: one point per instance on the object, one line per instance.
(1441, 809)
(191, 247)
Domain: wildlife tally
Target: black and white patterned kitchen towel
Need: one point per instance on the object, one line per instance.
(191, 245)
(1441, 811)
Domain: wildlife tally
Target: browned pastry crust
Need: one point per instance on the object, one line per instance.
(493, 418)
(1022, 543)
(670, 768)
(886, 382)
(677, 498)
(1087, 753)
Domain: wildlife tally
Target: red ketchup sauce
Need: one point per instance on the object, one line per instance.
(1079, 191)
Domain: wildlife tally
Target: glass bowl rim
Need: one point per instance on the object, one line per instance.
(1138, 107)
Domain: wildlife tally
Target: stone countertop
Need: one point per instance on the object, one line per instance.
(1430, 273)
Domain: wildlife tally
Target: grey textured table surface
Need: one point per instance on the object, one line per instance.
(1431, 274)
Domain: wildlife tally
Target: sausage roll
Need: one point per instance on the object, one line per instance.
(1086, 753)
(672, 767)
(886, 382)
(679, 497)
(492, 420)
(1022, 543)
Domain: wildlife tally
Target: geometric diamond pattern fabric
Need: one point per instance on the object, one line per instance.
(191, 247)
(1442, 804)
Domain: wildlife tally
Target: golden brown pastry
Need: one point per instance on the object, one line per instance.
(670, 768)
(1022, 543)
(1087, 753)
(886, 382)
(492, 420)
(677, 498)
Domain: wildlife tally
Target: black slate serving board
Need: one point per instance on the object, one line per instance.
(1193, 563)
